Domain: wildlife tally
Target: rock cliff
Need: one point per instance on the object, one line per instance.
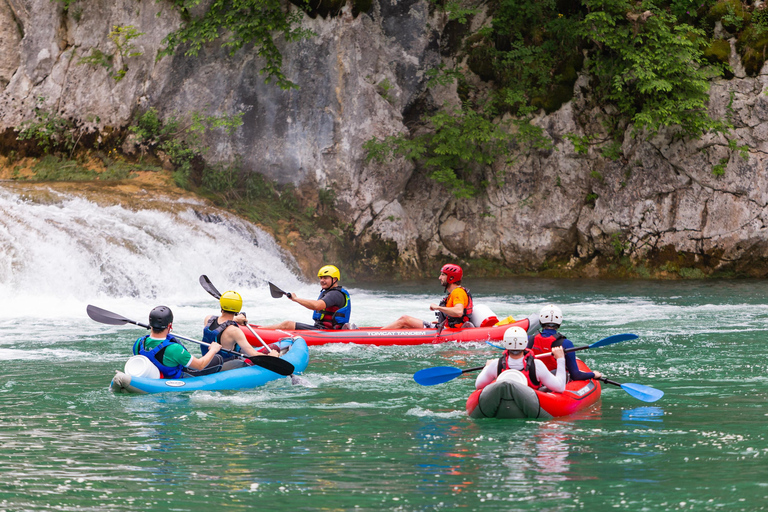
(653, 203)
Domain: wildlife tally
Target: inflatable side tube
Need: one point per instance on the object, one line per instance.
(505, 400)
(122, 382)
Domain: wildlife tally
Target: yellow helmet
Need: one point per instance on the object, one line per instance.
(231, 302)
(329, 270)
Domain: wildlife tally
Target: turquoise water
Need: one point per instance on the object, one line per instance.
(362, 435)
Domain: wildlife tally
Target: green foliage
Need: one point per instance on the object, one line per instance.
(719, 168)
(580, 143)
(326, 197)
(181, 139)
(49, 130)
(121, 37)
(442, 76)
(531, 51)
(456, 10)
(462, 143)
(240, 23)
(612, 150)
(652, 69)
(619, 246)
(52, 168)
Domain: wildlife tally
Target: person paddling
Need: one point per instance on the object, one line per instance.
(453, 310)
(332, 309)
(171, 357)
(517, 357)
(224, 329)
(551, 317)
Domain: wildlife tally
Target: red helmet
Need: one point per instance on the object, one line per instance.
(453, 272)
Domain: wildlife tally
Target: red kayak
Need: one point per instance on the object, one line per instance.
(515, 400)
(378, 336)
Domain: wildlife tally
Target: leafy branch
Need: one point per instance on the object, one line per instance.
(240, 22)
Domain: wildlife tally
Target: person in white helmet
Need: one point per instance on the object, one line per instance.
(517, 357)
(551, 317)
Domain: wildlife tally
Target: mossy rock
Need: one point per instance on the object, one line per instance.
(556, 96)
(724, 8)
(753, 46)
(481, 59)
(718, 51)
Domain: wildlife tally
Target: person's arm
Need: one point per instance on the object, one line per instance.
(557, 381)
(488, 374)
(200, 363)
(454, 311)
(238, 336)
(573, 366)
(314, 305)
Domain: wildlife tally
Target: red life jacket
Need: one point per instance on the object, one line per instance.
(543, 345)
(529, 367)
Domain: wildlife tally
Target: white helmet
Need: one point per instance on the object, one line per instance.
(515, 338)
(550, 314)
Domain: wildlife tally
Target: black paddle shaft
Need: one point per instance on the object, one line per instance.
(274, 364)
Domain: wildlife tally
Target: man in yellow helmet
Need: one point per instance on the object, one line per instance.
(332, 308)
(224, 329)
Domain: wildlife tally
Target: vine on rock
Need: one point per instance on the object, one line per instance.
(240, 22)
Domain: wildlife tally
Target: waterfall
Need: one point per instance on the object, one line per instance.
(60, 250)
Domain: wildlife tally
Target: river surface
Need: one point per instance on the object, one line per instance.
(359, 433)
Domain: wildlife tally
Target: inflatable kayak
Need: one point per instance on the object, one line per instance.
(507, 399)
(378, 336)
(241, 378)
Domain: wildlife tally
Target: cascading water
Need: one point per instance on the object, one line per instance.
(60, 251)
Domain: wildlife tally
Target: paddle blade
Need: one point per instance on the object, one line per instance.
(106, 317)
(275, 291)
(616, 338)
(208, 286)
(436, 375)
(274, 364)
(644, 393)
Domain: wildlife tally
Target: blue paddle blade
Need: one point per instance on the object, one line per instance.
(616, 338)
(644, 393)
(436, 375)
(495, 346)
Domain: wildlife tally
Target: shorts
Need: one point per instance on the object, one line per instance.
(307, 327)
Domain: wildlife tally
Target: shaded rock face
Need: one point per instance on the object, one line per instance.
(362, 77)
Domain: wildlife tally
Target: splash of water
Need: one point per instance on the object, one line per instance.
(59, 251)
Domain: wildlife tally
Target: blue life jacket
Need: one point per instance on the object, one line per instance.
(333, 317)
(211, 335)
(156, 355)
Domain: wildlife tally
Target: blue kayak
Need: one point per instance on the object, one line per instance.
(240, 378)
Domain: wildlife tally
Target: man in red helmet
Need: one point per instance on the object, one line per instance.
(453, 310)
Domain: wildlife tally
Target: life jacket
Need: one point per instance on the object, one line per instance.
(543, 344)
(529, 367)
(334, 317)
(211, 335)
(455, 321)
(156, 356)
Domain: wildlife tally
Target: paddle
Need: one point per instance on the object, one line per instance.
(277, 292)
(644, 393)
(274, 364)
(610, 340)
(440, 374)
